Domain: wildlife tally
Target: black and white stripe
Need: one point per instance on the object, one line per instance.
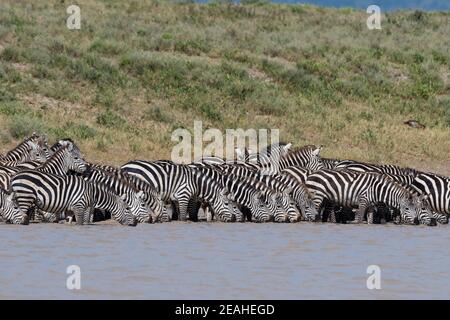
(60, 194)
(34, 148)
(364, 191)
(9, 210)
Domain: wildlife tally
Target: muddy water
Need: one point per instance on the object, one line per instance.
(224, 261)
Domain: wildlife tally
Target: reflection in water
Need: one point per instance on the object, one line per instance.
(224, 261)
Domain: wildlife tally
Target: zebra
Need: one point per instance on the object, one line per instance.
(307, 157)
(437, 188)
(302, 197)
(59, 194)
(59, 163)
(252, 202)
(62, 143)
(64, 160)
(364, 190)
(174, 182)
(213, 194)
(152, 197)
(294, 191)
(9, 209)
(427, 215)
(118, 182)
(215, 174)
(30, 149)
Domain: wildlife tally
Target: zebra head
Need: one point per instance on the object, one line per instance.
(158, 210)
(38, 150)
(122, 213)
(139, 207)
(293, 215)
(277, 206)
(240, 217)
(74, 159)
(290, 210)
(222, 206)
(305, 202)
(315, 161)
(424, 212)
(259, 209)
(10, 210)
(409, 210)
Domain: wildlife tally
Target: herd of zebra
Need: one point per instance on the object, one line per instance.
(281, 184)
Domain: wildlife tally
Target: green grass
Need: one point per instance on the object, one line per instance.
(137, 70)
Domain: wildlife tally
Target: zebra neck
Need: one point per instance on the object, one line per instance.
(58, 164)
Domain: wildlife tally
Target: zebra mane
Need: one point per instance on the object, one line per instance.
(64, 143)
(268, 149)
(138, 184)
(55, 155)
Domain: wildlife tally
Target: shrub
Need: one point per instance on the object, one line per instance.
(21, 126)
(110, 119)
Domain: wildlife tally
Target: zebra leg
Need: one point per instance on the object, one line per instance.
(81, 213)
(175, 210)
(209, 214)
(362, 208)
(183, 202)
(370, 215)
(193, 208)
(328, 212)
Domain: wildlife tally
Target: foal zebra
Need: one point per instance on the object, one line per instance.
(364, 190)
(59, 194)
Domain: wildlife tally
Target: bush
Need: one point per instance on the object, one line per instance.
(110, 119)
(22, 126)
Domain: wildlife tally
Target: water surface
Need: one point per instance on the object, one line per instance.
(224, 261)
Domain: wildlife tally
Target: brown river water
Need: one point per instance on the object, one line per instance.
(224, 261)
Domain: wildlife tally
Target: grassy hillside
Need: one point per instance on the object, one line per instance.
(138, 70)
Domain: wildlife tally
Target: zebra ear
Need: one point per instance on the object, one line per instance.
(140, 194)
(287, 147)
(224, 192)
(316, 152)
(239, 154)
(123, 197)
